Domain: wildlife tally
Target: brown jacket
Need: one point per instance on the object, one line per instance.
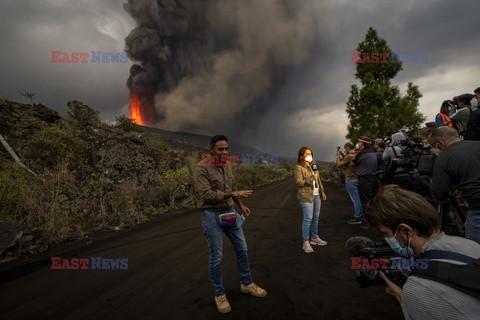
(350, 171)
(304, 183)
(211, 183)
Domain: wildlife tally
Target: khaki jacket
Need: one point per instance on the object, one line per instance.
(211, 184)
(305, 184)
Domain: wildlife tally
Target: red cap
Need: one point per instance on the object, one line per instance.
(365, 139)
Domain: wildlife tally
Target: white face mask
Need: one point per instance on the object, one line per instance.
(474, 103)
(357, 146)
(308, 158)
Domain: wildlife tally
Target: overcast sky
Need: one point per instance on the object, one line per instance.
(304, 106)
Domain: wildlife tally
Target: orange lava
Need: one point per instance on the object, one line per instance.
(136, 110)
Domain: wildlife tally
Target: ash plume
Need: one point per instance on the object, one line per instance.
(209, 64)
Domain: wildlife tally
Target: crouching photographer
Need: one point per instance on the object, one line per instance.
(449, 287)
(407, 163)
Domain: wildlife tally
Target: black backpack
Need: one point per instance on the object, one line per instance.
(465, 278)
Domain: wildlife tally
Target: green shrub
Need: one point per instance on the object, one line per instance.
(13, 181)
(125, 123)
(49, 204)
(156, 143)
(81, 114)
(54, 146)
(249, 177)
(175, 183)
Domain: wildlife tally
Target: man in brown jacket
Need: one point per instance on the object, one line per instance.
(215, 187)
(351, 181)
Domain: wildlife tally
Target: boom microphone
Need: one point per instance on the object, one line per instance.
(356, 245)
(362, 246)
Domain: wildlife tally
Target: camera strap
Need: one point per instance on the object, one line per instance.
(395, 152)
(463, 277)
(447, 255)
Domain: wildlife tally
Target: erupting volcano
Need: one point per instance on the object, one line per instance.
(136, 110)
(142, 109)
(198, 59)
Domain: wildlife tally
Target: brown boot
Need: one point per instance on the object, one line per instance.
(222, 304)
(253, 289)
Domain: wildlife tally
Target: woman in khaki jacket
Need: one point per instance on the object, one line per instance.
(308, 194)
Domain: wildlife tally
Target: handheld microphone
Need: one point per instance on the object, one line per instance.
(315, 169)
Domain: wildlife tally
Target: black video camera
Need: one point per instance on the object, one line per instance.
(369, 257)
(412, 168)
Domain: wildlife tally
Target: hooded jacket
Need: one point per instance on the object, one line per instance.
(398, 139)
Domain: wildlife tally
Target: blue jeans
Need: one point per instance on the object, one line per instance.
(472, 225)
(311, 212)
(214, 234)
(352, 188)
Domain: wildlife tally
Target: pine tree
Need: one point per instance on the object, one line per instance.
(376, 108)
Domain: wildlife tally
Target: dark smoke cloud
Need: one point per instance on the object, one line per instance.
(276, 100)
(215, 64)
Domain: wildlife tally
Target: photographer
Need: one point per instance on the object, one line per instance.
(351, 180)
(463, 114)
(458, 164)
(473, 124)
(379, 147)
(366, 167)
(442, 118)
(411, 225)
(452, 106)
(396, 148)
(392, 173)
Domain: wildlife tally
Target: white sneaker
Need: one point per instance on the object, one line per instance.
(307, 247)
(318, 242)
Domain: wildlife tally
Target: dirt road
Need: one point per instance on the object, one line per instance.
(167, 276)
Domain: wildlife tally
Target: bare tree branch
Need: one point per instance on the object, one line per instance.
(29, 94)
(14, 155)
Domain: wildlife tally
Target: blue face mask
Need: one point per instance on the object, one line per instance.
(395, 245)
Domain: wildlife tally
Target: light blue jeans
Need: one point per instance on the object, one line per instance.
(311, 212)
(214, 234)
(352, 188)
(472, 225)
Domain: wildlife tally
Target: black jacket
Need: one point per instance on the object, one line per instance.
(458, 165)
(473, 126)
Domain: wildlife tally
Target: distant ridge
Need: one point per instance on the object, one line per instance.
(204, 141)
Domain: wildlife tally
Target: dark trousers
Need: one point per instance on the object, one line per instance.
(367, 188)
